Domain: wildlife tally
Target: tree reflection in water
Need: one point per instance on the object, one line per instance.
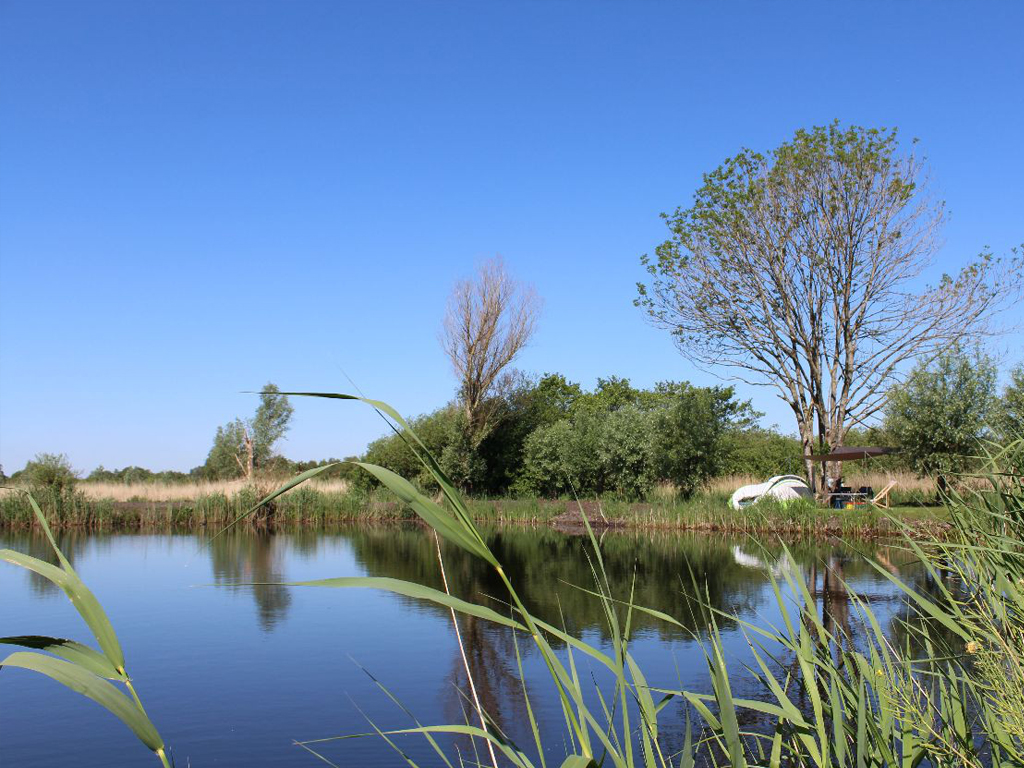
(71, 541)
(253, 557)
(666, 571)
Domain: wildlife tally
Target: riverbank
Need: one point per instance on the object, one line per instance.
(708, 511)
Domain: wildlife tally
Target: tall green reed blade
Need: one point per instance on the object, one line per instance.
(456, 525)
(862, 708)
(79, 667)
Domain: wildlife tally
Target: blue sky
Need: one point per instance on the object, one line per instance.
(199, 197)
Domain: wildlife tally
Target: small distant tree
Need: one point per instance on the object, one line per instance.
(1011, 407)
(488, 322)
(942, 411)
(803, 270)
(49, 472)
(243, 446)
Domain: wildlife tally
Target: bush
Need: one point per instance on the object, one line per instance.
(49, 473)
(939, 415)
(626, 453)
(436, 430)
(593, 453)
(690, 435)
(761, 453)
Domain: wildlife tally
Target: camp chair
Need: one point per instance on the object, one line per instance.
(882, 497)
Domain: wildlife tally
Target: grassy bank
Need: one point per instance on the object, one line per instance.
(327, 504)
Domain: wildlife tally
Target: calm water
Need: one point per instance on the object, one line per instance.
(232, 675)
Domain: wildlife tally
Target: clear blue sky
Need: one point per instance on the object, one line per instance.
(199, 197)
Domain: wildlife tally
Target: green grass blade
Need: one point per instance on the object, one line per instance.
(534, 729)
(81, 597)
(431, 512)
(411, 589)
(89, 685)
(50, 572)
(82, 655)
(297, 480)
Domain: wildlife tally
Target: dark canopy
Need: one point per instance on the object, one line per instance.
(853, 453)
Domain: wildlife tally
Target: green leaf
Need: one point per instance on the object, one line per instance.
(411, 589)
(432, 513)
(297, 480)
(578, 761)
(89, 685)
(82, 655)
(726, 707)
(81, 597)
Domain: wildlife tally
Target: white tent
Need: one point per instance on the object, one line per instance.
(781, 487)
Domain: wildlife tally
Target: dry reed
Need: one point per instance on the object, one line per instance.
(99, 491)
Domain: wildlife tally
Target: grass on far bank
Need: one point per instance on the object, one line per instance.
(107, 506)
(910, 489)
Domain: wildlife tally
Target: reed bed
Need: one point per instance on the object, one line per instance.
(100, 491)
(312, 506)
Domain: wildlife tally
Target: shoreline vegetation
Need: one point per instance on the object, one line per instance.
(188, 506)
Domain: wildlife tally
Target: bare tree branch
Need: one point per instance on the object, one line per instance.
(489, 320)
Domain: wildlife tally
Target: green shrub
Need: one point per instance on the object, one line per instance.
(48, 473)
(595, 452)
(761, 453)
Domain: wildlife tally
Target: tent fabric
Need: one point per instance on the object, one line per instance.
(853, 453)
(781, 487)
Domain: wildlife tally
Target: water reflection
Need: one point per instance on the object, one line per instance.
(72, 543)
(254, 558)
(665, 571)
(660, 567)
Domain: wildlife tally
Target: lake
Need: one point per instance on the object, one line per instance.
(234, 674)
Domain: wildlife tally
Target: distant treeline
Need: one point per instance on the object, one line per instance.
(548, 437)
(276, 466)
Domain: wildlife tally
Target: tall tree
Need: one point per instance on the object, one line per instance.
(942, 411)
(270, 423)
(488, 321)
(803, 270)
(244, 445)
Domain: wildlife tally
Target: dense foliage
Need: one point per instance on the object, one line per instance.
(1010, 411)
(939, 415)
(132, 474)
(47, 473)
(551, 438)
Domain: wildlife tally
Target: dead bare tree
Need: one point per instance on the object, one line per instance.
(488, 321)
(804, 271)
